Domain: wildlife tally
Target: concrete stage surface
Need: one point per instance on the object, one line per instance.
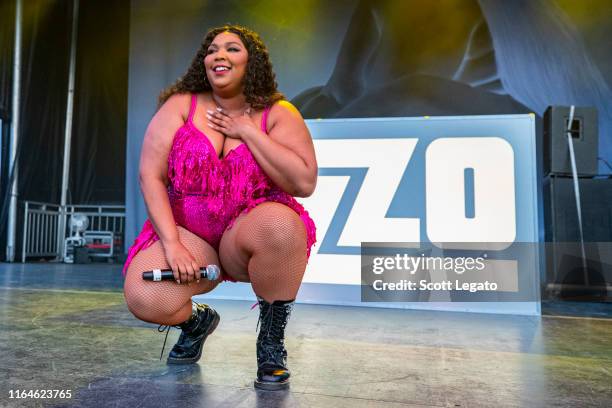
(66, 327)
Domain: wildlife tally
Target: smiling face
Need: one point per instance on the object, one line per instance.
(226, 61)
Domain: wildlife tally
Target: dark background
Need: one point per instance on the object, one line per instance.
(97, 172)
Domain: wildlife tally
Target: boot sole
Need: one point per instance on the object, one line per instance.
(178, 361)
(271, 386)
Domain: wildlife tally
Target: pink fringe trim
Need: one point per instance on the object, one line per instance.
(145, 239)
(148, 236)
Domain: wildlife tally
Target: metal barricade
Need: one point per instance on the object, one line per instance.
(101, 218)
(40, 225)
(41, 220)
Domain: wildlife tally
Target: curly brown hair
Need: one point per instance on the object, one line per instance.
(260, 87)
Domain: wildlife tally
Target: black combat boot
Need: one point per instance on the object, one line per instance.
(272, 371)
(188, 348)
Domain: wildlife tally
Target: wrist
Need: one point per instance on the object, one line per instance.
(169, 242)
(250, 134)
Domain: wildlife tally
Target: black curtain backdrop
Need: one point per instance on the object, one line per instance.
(97, 174)
(44, 81)
(7, 31)
(44, 62)
(98, 137)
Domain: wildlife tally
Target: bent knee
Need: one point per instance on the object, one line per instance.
(137, 301)
(145, 304)
(276, 226)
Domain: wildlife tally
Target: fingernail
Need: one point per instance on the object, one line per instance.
(198, 281)
(178, 281)
(219, 109)
(209, 111)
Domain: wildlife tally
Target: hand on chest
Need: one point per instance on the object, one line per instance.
(222, 144)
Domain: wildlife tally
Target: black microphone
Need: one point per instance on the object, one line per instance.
(210, 272)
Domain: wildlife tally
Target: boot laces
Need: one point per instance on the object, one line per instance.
(166, 328)
(273, 321)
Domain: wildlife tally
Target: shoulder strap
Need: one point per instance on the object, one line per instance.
(264, 120)
(194, 102)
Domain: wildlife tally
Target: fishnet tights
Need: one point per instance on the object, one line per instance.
(266, 246)
(166, 302)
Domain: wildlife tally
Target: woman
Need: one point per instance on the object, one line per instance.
(221, 161)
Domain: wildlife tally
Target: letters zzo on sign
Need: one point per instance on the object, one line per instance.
(377, 166)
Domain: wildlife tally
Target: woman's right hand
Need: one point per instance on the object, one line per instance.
(183, 264)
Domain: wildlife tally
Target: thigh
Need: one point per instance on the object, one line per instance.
(153, 257)
(270, 224)
(234, 257)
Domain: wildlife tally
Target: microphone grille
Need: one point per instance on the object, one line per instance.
(213, 272)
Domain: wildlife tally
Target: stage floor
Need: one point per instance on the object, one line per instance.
(66, 327)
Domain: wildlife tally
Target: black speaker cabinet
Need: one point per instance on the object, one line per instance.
(566, 276)
(584, 132)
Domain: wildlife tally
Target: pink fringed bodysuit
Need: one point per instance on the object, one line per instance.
(207, 193)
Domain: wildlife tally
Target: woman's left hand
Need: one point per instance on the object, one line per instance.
(235, 127)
